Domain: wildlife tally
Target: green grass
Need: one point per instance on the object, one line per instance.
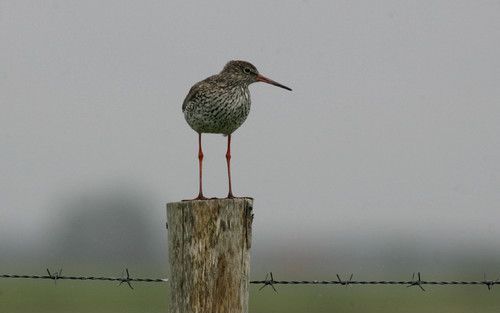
(68, 296)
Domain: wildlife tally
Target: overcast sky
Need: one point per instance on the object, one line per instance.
(392, 128)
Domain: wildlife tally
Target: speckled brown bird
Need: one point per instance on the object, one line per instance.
(220, 104)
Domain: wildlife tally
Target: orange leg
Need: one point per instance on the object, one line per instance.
(228, 160)
(200, 163)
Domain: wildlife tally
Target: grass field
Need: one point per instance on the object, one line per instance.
(100, 297)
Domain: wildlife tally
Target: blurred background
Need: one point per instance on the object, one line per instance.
(382, 161)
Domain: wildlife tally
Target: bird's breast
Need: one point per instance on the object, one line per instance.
(219, 111)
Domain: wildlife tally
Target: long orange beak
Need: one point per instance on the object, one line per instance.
(264, 79)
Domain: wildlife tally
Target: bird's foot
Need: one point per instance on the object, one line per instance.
(200, 197)
(231, 196)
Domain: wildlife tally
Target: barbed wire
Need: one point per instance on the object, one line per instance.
(415, 281)
(57, 275)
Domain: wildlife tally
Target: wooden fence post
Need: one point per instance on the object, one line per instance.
(209, 251)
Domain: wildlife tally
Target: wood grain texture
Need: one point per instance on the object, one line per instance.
(209, 251)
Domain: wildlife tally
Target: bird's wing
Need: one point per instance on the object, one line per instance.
(189, 96)
(202, 89)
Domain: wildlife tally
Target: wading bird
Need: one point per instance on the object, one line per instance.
(219, 104)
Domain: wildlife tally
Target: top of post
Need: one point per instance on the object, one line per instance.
(215, 202)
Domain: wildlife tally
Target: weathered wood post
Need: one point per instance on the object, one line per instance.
(209, 251)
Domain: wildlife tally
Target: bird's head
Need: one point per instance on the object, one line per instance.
(247, 73)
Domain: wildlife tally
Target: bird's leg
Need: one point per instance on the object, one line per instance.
(200, 163)
(228, 160)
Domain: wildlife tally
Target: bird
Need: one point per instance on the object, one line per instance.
(220, 104)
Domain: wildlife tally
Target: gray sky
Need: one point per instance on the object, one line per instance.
(391, 130)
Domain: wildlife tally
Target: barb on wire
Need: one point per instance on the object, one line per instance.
(417, 282)
(269, 281)
(55, 276)
(126, 279)
(490, 283)
(345, 282)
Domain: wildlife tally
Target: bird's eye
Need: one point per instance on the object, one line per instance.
(246, 70)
